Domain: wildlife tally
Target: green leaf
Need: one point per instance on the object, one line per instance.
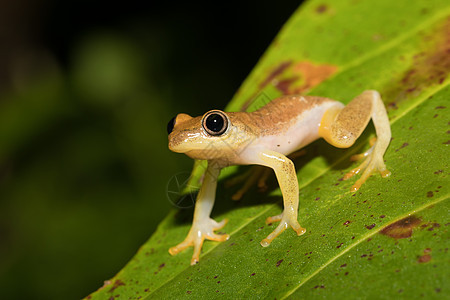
(388, 239)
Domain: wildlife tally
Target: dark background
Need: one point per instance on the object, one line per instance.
(86, 90)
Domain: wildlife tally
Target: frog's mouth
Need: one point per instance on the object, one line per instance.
(203, 154)
(175, 147)
(181, 147)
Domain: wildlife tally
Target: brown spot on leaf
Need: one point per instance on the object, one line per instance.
(430, 194)
(433, 226)
(272, 77)
(312, 74)
(306, 76)
(424, 258)
(293, 79)
(321, 8)
(285, 84)
(319, 286)
(401, 229)
(392, 105)
(275, 73)
(370, 226)
(279, 262)
(117, 283)
(402, 146)
(429, 66)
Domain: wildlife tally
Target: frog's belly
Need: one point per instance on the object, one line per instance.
(304, 131)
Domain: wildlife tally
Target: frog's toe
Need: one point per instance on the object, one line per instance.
(238, 195)
(356, 170)
(202, 231)
(219, 225)
(371, 165)
(285, 222)
(180, 247)
(196, 255)
(298, 229)
(273, 219)
(218, 237)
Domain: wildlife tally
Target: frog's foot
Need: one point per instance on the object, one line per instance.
(256, 174)
(373, 162)
(360, 156)
(198, 233)
(286, 220)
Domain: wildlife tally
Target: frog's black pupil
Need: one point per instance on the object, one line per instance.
(170, 125)
(214, 122)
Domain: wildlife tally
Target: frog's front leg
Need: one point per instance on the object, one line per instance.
(203, 226)
(287, 179)
(341, 126)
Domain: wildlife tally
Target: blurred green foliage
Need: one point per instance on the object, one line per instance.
(84, 104)
(85, 163)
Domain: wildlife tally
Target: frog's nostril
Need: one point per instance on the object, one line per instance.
(170, 125)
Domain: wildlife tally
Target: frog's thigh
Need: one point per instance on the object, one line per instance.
(341, 126)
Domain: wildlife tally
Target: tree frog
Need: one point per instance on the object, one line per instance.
(264, 137)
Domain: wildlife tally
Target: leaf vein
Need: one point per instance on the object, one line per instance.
(359, 241)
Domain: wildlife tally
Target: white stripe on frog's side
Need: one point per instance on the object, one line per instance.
(301, 133)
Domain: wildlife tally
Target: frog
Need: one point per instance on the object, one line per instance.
(266, 137)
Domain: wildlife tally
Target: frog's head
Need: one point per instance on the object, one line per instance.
(210, 136)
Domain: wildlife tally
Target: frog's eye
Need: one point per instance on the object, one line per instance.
(170, 125)
(215, 122)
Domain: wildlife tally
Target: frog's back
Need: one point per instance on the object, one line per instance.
(288, 123)
(280, 114)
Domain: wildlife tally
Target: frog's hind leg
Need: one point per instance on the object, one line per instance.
(341, 127)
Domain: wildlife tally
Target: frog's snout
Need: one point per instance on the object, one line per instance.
(176, 130)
